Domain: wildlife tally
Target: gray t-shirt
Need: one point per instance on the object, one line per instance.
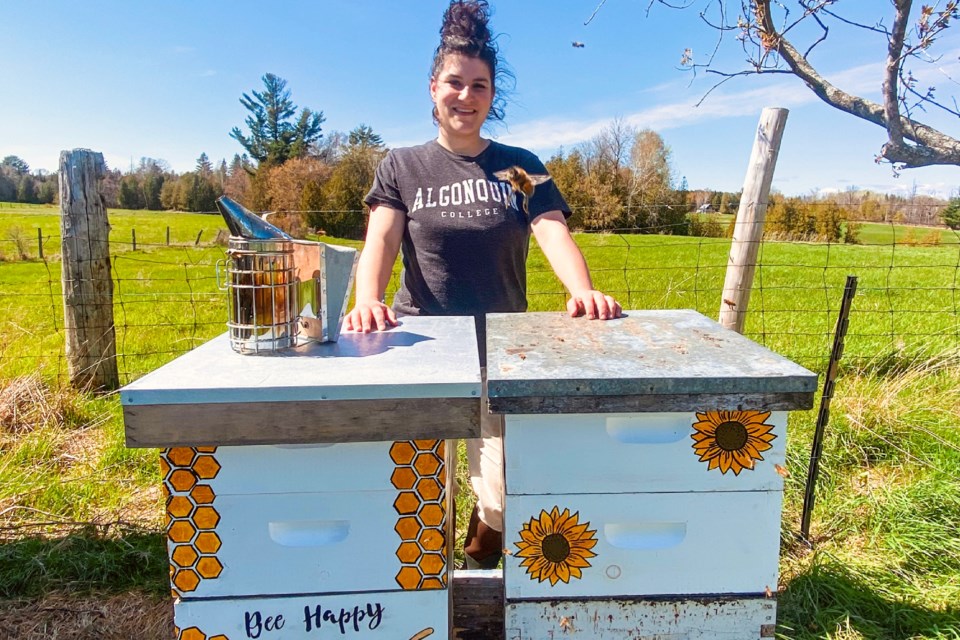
(465, 243)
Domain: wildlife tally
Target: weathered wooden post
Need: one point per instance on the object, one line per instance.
(90, 341)
(748, 228)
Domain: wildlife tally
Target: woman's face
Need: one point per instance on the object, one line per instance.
(462, 92)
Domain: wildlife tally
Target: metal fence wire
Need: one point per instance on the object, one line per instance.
(166, 298)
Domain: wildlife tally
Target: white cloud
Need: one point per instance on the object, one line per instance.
(728, 100)
(553, 132)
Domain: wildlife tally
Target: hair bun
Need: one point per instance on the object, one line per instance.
(465, 27)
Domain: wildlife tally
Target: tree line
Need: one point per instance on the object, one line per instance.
(19, 184)
(622, 179)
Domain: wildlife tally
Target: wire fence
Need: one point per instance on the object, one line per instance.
(167, 299)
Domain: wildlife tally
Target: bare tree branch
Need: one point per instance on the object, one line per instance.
(891, 92)
(928, 98)
(595, 11)
(910, 143)
(730, 76)
(879, 28)
(826, 31)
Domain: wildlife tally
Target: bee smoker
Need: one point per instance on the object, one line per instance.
(262, 299)
(282, 292)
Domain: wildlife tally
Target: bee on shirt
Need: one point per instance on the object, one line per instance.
(522, 182)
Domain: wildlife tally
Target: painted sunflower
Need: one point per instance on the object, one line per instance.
(555, 546)
(731, 440)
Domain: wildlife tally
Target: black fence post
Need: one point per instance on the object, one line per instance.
(823, 416)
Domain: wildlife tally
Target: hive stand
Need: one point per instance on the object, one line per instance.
(643, 462)
(308, 490)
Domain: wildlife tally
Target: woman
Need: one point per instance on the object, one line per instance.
(465, 235)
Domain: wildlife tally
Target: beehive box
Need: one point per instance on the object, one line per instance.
(643, 461)
(308, 491)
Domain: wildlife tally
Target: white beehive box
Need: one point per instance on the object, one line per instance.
(380, 526)
(676, 619)
(642, 459)
(644, 544)
(626, 451)
(322, 470)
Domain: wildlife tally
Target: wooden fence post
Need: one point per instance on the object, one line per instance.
(90, 341)
(40, 243)
(748, 228)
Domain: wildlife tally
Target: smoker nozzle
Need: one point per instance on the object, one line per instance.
(246, 224)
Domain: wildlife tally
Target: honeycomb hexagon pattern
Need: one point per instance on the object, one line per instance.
(419, 475)
(194, 633)
(192, 520)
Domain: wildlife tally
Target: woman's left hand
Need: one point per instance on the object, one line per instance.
(593, 304)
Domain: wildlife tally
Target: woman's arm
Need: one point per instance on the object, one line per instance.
(568, 263)
(380, 249)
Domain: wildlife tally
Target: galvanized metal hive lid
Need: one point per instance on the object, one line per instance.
(420, 380)
(424, 357)
(672, 360)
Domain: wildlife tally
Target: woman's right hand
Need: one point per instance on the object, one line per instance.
(369, 315)
(384, 234)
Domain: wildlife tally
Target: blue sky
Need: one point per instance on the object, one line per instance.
(163, 80)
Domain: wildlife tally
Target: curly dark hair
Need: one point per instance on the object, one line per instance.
(465, 31)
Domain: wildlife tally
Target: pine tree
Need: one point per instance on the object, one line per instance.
(951, 214)
(204, 166)
(152, 186)
(275, 133)
(131, 195)
(363, 136)
(16, 164)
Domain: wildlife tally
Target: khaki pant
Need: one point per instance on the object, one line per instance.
(485, 462)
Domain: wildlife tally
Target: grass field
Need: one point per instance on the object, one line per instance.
(871, 233)
(81, 514)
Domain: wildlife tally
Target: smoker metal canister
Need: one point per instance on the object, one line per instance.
(262, 292)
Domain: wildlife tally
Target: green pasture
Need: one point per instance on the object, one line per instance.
(167, 300)
(881, 233)
(906, 301)
(81, 513)
(149, 228)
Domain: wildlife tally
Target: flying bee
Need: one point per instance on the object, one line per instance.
(522, 182)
